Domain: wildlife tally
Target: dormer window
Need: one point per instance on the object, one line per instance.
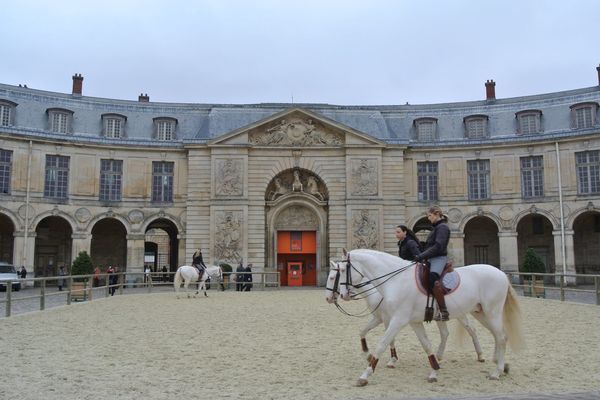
(59, 120)
(164, 128)
(529, 122)
(113, 125)
(476, 126)
(7, 112)
(583, 115)
(426, 129)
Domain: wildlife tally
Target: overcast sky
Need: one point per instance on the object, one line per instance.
(312, 51)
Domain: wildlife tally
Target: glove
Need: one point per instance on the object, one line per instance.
(418, 258)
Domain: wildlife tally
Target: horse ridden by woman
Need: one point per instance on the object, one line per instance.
(484, 292)
(187, 274)
(374, 299)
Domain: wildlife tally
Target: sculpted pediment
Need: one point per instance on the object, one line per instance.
(297, 128)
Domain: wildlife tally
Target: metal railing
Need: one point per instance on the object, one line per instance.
(89, 287)
(537, 284)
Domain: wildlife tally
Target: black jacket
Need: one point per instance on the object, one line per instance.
(198, 259)
(408, 249)
(437, 241)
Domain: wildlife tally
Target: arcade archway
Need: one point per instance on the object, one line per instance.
(53, 243)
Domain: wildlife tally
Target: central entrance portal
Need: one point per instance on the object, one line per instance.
(297, 258)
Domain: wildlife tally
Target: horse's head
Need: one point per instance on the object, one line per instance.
(350, 275)
(332, 284)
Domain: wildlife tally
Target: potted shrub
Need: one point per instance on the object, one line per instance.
(534, 285)
(82, 265)
(226, 268)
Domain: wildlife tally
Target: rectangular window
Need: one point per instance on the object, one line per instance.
(111, 177)
(532, 176)
(56, 182)
(5, 171)
(481, 254)
(479, 179)
(588, 172)
(584, 117)
(529, 124)
(427, 181)
(476, 128)
(164, 130)
(162, 181)
(59, 122)
(426, 131)
(4, 115)
(113, 128)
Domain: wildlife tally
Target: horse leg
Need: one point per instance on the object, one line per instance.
(500, 338)
(390, 333)
(464, 321)
(393, 355)
(422, 336)
(373, 322)
(443, 328)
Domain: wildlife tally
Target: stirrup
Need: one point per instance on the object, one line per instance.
(442, 315)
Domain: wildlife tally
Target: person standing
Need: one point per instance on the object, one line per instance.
(240, 278)
(147, 271)
(408, 244)
(248, 278)
(23, 272)
(96, 281)
(111, 279)
(61, 280)
(436, 252)
(164, 273)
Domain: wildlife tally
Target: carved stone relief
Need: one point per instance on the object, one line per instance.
(297, 218)
(23, 211)
(135, 216)
(295, 131)
(228, 178)
(228, 236)
(364, 177)
(365, 229)
(83, 215)
(299, 181)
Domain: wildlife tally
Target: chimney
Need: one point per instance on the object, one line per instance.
(598, 69)
(77, 84)
(144, 98)
(490, 90)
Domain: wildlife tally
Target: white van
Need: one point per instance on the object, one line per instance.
(9, 273)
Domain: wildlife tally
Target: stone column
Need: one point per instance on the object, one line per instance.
(456, 248)
(24, 251)
(81, 242)
(570, 255)
(135, 255)
(181, 256)
(509, 255)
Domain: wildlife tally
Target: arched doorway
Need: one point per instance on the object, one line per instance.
(7, 239)
(109, 244)
(296, 214)
(53, 243)
(161, 245)
(586, 240)
(422, 228)
(535, 232)
(481, 242)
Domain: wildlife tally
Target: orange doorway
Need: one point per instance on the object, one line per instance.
(297, 252)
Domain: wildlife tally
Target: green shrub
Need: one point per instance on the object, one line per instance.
(532, 263)
(82, 265)
(226, 268)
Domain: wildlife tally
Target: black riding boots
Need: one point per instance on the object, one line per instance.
(438, 294)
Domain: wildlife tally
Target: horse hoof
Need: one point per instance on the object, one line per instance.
(506, 368)
(481, 360)
(390, 365)
(432, 379)
(494, 378)
(362, 382)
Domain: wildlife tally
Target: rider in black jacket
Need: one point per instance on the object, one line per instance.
(408, 244)
(436, 252)
(198, 262)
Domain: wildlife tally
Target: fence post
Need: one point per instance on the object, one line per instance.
(562, 287)
(8, 297)
(149, 281)
(90, 286)
(121, 278)
(597, 286)
(70, 290)
(43, 294)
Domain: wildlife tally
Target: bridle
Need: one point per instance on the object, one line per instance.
(365, 293)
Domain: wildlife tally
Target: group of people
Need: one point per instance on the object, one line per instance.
(434, 251)
(243, 278)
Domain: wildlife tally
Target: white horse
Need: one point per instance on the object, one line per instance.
(484, 291)
(374, 299)
(189, 274)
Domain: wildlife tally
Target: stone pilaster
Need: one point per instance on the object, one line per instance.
(24, 250)
(135, 253)
(509, 256)
(570, 255)
(456, 248)
(81, 242)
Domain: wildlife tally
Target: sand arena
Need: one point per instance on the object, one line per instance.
(269, 345)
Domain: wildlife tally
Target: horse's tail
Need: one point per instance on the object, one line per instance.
(178, 279)
(512, 320)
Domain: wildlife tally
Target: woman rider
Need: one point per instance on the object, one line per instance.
(436, 252)
(198, 262)
(408, 244)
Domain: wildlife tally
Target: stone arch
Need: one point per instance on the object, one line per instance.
(532, 211)
(535, 231)
(586, 243)
(296, 180)
(481, 243)
(54, 213)
(171, 218)
(11, 216)
(108, 245)
(166, 250)
(7, 237)
(108, 214)
(570, 219)
(467, 218)
(53, 244)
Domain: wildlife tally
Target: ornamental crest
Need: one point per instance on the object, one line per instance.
(365, 229)
(295, 131)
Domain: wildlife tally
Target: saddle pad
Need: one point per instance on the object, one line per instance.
(450, 280)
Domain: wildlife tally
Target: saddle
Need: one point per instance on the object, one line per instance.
(423, 275)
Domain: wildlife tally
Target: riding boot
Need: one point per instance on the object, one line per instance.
(438, 293)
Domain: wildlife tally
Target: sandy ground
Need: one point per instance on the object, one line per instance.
(270, 345)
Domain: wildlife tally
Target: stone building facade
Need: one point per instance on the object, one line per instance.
(274, 184)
